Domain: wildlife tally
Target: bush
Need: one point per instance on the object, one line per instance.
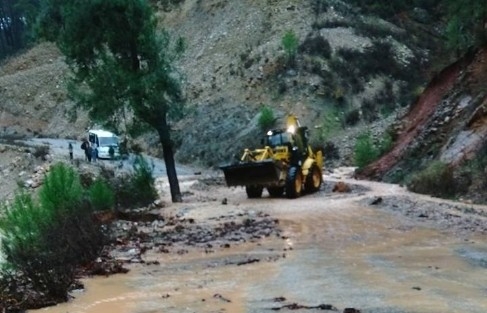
(386, 99)
(40, 152)
(46, 242)
(143, 181)
(347, 72)
(372, 30)
(436, 180)
(377, 59)
(365, 150)
(320, 6)
(61, 190)
(316, 45)
(391, 9)
(352, 117)
(386, 144)
(101, 196)
(330, 151)
(290, 44)
(370, 110)
(137, 189)
(330, 24)
(266, 118)
(470, 177)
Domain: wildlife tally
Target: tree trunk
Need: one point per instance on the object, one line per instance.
(172, 176)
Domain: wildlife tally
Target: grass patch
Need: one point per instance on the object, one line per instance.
(266, 118)
(435, 180)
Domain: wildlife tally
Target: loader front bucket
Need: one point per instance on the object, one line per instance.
(251, 173)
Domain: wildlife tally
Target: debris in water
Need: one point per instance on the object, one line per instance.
(376, 201)
(295, 306)
(219, 296)
(248, 261)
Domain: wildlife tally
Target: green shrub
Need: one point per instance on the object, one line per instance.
(266, 118)
(45, 242)
(61, 189)
(136, 189)
(386, 144)
(365, 151)
(143, 181)
(101, 196)
(436, 180)
(290, 44)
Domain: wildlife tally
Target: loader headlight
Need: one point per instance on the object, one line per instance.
(269, 133)
(291, 129)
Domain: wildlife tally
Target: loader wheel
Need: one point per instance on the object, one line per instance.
(294, 182)
(275, 192)
(254, 191)
(313, 179)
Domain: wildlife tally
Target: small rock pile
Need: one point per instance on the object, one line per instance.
(178, 234)
(37, 177)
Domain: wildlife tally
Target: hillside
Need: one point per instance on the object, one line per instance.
(351, 74)
(447, 123)
(33, 96)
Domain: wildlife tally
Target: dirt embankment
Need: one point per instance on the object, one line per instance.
(448, 123)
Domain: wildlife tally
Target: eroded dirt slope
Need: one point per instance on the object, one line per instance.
(448, 122)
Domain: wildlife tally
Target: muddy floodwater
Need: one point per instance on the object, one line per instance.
(334, 251)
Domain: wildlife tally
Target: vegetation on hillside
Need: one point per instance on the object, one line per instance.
(465, 19)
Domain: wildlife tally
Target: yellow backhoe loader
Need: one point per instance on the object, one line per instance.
(286, 164)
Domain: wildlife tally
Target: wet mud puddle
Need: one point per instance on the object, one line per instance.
(334, 251)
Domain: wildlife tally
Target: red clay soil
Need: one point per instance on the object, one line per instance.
(417, 117)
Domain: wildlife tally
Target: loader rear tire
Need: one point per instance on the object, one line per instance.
(294, 182)
(254, 191)
(275, 192)
(313, 179)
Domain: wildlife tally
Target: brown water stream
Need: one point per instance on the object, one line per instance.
(335, 251)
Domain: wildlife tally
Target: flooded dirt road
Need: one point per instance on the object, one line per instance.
(375, 249)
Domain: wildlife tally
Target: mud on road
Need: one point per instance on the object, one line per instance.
(376, 248)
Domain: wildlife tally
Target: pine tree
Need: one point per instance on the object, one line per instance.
(122, 65)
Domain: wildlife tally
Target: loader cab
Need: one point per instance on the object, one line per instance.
(276, 138)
